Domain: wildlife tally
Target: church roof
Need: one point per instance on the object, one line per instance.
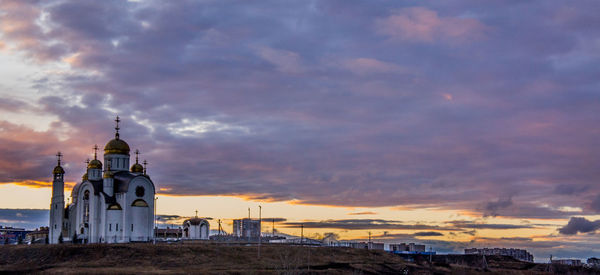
(97, 184)
(95, 164)
(121, 184)
(195, 221)
(122, 180)
(117, 146)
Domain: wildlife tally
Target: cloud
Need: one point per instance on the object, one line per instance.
(285, 61)
(306, 102)
(362, 224)
(421, 24)
(24, 218)
(277, 220)
(476, 225)
(369, 66)
(492, 207)
(579, 225)
(595, 204)
(363, 213)
(428, 234)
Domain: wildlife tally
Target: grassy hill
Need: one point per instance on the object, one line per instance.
(223, 258)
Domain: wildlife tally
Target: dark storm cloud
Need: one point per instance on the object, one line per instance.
(595, 204)
(492, 208)
(363, 224)
(363, 213)
(579, 225)
(486, 107)
(277, 220)
(428, 234)
(475, 225)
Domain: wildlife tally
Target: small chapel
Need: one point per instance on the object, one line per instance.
(113, 203)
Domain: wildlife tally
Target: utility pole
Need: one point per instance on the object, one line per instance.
(430, 254)
(219, 222)
(273, 227)
(369, 244)
(259, 228)
(248, 212)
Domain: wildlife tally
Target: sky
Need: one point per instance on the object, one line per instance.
(451, 123)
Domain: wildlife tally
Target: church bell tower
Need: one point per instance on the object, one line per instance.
(57, 205)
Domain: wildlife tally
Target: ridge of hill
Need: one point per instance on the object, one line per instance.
(223, 258)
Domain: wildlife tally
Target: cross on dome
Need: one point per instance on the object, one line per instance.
(117, 127)
(58, 156)
(95, 151)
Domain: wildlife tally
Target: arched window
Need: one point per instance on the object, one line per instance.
(114, 206)
(139, 203)
(139, 191)
(86, 206)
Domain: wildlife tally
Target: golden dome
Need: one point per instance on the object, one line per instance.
(107, 174)
(85, 177)
(58, 170)
(137, 168)
(95, 164)
(116, 146)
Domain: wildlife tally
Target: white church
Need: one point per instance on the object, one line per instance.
(114, 205)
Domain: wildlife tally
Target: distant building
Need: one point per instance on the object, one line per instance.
(246, 228)
(303, 241)
(519, 254)
(411, 247)
(196, 229)
(11, 235)
(164, 234)
(39, 235)
(593, 262)
(359, 245)
(572, 262)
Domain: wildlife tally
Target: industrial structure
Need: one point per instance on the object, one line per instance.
(407, 248)
(12, 235)
(571, 262)
(519, 254)
(246, 228)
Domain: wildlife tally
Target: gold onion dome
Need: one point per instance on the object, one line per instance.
(58, 170)
(95, 164)
(85, 177)
(137, 168)
(107, 174)
(116, 146)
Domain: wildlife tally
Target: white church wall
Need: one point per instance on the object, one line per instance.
(140, 209)
(87, 234)
(197, 232)
(114, 226)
